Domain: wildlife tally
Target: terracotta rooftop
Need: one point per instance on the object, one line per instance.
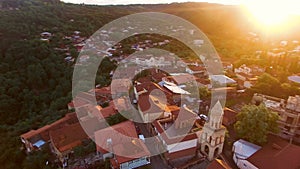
(171, 140)
(101, 91)
(78, 102)
(122, 104)
(68, 137)
(277, 153)
(229, 116)
(170, 128)
(151, 104)
(86, 96)
(130, 150)
(120, 85)
(43, 132)
(89, 110)
(182, 78)
(114, 133)
(197, 68)
(108, 111)
(124, 142)
(150, 86)
(203, 81)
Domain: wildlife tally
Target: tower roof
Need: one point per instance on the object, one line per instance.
(217, 110)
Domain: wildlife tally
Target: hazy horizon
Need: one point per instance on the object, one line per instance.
(128, 2)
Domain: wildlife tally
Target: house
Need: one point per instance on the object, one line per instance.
(147, 87)
(89, 97)
(150, 61)
(102, 95)
(196, 70)
(64, 139)
(152, 106)
(35, 139)
(277, 154)
(289, 118)
(77, 103)
(198, 42)
(222, 80)
(293, 103)
(227, 66)
(120, 87)
(294, 78)
(108, 111)
(182, 133)
(175, 89)
(242, 150)
(180, 79)
(248, 74)
(178, 134)
(121, 144)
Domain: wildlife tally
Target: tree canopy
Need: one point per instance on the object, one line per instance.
(255, 122)
(269, 85)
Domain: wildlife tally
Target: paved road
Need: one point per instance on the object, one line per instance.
(157, 161)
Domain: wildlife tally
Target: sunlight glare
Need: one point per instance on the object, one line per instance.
(272, 13)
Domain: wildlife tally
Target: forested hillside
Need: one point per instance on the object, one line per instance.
(35, 79)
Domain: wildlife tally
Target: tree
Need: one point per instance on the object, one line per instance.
(204, 93)
(255, 122)
(267, 84)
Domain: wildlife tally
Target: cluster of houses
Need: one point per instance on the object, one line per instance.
(75, 39)
(178, 129)
(167, 106)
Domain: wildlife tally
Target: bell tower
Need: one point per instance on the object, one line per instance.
(213, 135)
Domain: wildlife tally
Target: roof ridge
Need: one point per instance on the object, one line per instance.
(284, 148)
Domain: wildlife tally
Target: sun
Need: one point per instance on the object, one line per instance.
(272, 14)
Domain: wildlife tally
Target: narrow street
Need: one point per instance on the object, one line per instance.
(157, 161)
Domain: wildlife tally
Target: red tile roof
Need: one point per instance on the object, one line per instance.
(122, 104)
(183, 78)
(43, 132)
(124, 142)
(150, 86)
(68, 137)
(101, 91)
(114, 132)
(120, 86)
(151, 104)
(158, 124)
(108, 111)
(203, 81)
(78, 102)
(277, 153)
(229, 116)
(130, 150)
(196, 68)
(87, 97)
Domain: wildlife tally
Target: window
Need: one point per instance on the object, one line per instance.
(289, 120)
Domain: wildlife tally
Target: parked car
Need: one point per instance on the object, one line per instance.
(203, 117)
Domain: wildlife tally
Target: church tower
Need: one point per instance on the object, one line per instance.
(213, 135)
